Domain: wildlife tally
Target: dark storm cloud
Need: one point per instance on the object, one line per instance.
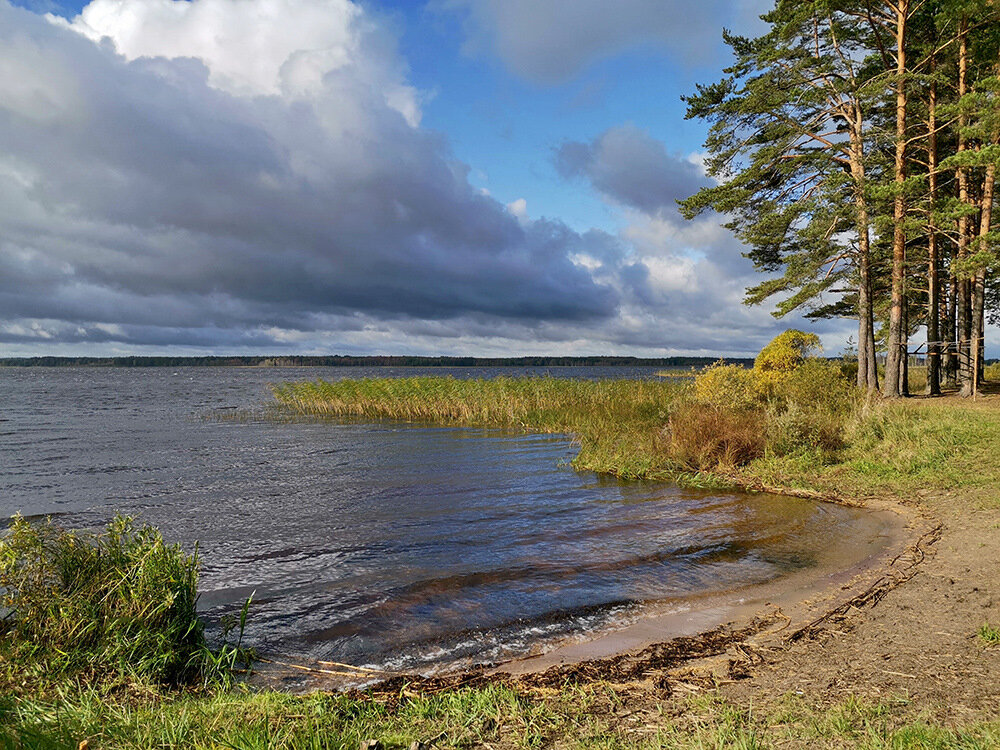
(632, 168)
(135, 193)
(549, 42)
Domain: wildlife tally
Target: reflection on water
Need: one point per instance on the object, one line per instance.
(385, 544)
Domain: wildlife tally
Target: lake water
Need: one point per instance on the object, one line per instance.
(391, 545)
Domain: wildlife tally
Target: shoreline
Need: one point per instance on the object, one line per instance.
(800, 597)
(766, 612)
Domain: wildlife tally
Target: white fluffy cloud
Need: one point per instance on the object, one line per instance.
(262, 47)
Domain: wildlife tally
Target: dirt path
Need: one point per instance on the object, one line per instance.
(918, 643)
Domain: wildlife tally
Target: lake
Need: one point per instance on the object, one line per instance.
(390, 545)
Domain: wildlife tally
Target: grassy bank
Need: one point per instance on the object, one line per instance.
(810, 431)
(631, 429)
(903, 450)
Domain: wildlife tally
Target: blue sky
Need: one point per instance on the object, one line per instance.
(507, 127)
(487, 177)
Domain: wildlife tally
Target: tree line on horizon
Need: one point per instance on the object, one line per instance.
(854, 146)
(345, 360)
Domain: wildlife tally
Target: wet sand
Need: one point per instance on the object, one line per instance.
(798, 597)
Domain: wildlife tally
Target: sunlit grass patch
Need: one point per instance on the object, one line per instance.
(989, 634)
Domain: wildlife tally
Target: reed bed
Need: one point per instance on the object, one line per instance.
(617, 423)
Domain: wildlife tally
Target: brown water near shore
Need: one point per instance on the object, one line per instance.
(836, 576)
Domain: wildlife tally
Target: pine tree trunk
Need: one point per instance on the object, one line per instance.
(933, 262)
(893, 386)
(904, 360)
(979, 281)
(963, 313)
(950, 363)
(867, 366)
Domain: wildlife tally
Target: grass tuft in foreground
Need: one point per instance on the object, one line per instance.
(989, 634)
(116, 608)
(496, 715)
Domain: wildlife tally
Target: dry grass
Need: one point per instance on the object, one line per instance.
(618, 423)
(704, 437)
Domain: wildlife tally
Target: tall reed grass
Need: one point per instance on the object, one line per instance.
(807, 427)
(728, 417)
(618, 423)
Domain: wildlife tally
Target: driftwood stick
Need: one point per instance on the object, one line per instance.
(308, 669)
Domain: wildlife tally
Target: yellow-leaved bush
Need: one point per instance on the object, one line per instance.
(787, 351)
(730, 386)
(789, 402)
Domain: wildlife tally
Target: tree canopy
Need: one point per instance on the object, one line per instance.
(854, 146)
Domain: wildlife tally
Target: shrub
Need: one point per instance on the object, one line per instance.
(786, 404)
(795, 429)
(787, 351)
(704, 436)
(810, 410)
(118, 603)
(730, 387)
(819, 385)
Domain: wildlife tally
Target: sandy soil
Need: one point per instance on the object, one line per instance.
(917, 642)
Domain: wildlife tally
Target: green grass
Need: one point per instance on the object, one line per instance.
(804, 438)
(685, 374)
(116, 608)
(497, 715)
(989, 634)
(630, 429)
(899, 449)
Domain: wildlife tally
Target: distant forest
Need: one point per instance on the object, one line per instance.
(373, 361)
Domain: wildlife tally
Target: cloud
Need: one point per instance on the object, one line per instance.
(276, 47)
(690, 273)
(150, 182)
(519, 208)
(159, 192)
(629, 166)
(550, 42)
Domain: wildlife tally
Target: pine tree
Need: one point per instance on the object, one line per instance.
(788, 144)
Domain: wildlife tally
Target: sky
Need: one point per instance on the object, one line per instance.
(436, 177)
